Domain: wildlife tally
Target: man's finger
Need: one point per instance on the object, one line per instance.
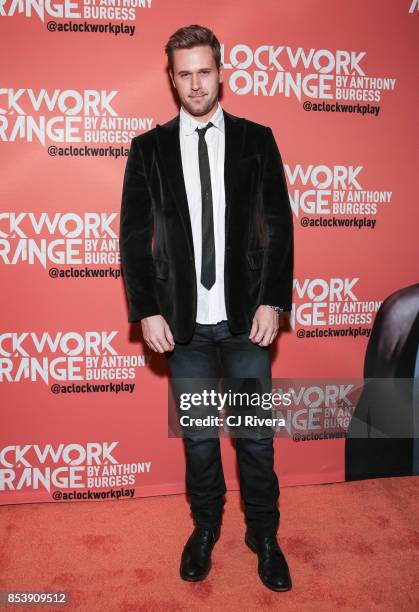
(262, 331)
(164, 343)
(158, 345)
(150, 344)
(254, 329)
(169, 335)
(265, 340)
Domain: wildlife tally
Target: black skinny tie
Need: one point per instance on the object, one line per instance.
(208, 244)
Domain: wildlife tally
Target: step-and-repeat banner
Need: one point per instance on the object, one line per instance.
(83, 400)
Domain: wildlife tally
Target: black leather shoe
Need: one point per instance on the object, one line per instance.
(196, 556)
(272, 566)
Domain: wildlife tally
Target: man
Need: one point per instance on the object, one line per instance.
(211, 188)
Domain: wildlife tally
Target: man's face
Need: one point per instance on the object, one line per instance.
(196, 79)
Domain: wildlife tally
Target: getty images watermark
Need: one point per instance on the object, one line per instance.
(295, 408)
(212, 399)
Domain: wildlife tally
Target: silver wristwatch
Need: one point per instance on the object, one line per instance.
(276, 308)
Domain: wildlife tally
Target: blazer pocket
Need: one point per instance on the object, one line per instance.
(161, 268)
(255, 258)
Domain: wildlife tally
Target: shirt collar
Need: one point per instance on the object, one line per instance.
(188, 124)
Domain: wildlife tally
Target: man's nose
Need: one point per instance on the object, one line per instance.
(196, 81)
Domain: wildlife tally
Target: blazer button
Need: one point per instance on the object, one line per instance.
(190, 258)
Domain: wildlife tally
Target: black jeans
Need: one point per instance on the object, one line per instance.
(214, 351)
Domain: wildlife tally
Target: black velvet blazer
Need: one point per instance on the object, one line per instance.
(156, 246)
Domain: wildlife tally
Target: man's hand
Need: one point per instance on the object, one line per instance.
(157, 334)
(265, 326)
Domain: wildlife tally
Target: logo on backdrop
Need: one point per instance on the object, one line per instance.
(335, 196)
(322, 80)
(332, 308)
(68, 117)
(66, 466)
(79, 241)
(69, 361)
(85, 16)
(317, 412)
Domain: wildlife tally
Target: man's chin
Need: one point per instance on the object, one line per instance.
(198, 109)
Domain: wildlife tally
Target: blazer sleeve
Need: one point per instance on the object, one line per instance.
(278, 263)
(135, 238)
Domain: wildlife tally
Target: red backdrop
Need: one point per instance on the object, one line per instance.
(81, 394)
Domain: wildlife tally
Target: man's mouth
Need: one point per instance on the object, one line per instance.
(201, 96)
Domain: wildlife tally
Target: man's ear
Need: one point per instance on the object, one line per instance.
(172, 79)
(220, 72)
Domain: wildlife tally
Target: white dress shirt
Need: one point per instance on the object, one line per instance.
(211, 303)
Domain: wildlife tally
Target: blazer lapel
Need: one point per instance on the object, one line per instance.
(169, 153)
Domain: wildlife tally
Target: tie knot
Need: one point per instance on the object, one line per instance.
(201, 131)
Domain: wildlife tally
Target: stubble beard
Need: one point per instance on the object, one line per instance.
(200, 111)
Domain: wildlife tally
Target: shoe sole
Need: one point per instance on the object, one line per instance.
(269, 586)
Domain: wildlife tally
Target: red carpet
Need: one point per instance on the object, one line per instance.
(350, 546)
